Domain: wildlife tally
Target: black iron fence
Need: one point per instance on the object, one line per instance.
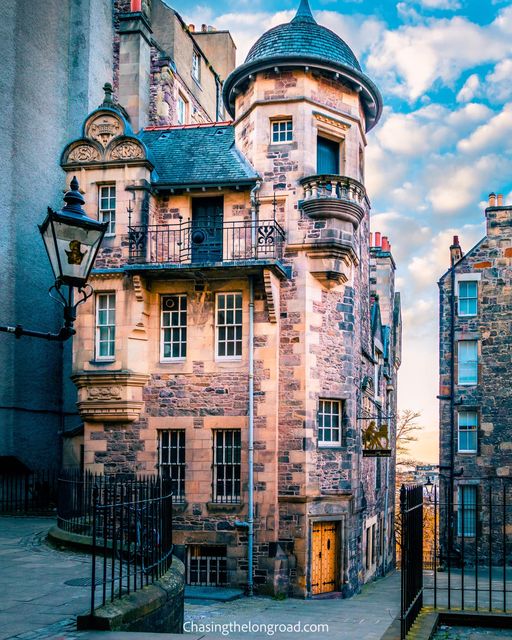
(29, 492)
(473, 548)
(189, 242)
(411, 561)
(132, 537)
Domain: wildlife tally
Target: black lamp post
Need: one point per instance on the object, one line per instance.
(72, 240)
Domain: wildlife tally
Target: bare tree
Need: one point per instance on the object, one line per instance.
(406, 428)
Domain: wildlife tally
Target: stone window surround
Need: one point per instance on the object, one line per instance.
(325, 130)
(336, 444)
(108, 210)
(466, 337)
(97, 356)
(236, 357)
(466, 277)
(163, 327)
(278, 119)
(476, 411)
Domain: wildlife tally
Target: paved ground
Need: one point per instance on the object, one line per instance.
(36, 604)
(471, 633)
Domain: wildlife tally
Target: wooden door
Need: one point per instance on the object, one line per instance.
(207, 229)
(325, 554)
(328, 156)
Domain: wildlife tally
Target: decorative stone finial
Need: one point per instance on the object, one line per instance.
(74, 199)
(304, 13)
(107, 88)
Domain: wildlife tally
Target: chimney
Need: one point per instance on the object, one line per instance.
(499, 202)
(492, 199)
(371, 240)
(377, 238)
(385, 244)
(192, 28)
(134, 65)
(455, 251)
(204, 28)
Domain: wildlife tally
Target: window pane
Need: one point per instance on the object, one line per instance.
(174, 327)
(229, 325)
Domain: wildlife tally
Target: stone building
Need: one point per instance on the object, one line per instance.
(475, 399)
(243, 334)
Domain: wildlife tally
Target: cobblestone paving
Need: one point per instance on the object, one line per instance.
(471, 633)
(36, 604)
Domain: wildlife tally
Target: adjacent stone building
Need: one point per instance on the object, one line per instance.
(475, 395)
(243, 335)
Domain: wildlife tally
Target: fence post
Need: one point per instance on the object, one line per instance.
(403, 560)
(95, 499)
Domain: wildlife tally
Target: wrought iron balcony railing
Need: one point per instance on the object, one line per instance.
(200, 242)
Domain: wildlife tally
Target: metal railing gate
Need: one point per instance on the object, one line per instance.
(411, 514)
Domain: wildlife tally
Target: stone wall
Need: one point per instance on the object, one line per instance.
(490, 262)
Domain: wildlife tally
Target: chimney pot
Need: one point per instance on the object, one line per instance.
(500, 200)
(371, 239)
(136, 5)
(492, 199)
(203, 27)
(377, 238)
(455, 241)
(385, 243)
(192, 27)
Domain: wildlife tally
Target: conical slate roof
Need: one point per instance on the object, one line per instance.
(303, 36)
(303, 43)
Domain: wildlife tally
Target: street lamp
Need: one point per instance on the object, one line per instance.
(72, 241)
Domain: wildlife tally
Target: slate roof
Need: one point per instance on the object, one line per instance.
(303, 36)
(197, 156)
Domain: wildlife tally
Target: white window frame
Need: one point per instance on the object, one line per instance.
(467, 426)
(196, 66)
(281, 130)
(470, 507)
(326, 411)
(110, 298)
(237, 326)
(467, 298)
(108, 213)
(166, 318)
(172, 460)
(181, 110)
(466, 364)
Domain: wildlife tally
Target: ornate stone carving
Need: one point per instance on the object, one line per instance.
(110, 396)
(332, 122)
(104, 128)
(127, 151)
(104, 393)
(140, 309)
(84, 153)
(272, 292)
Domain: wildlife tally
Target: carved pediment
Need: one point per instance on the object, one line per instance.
(106, 138)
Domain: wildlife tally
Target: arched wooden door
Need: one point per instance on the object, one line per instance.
(325, 557)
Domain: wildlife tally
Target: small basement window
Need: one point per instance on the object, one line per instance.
(207, 565)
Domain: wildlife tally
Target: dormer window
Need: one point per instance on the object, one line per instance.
(196, 66)
(282, 130)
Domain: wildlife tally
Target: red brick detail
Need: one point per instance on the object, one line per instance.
(482, 265)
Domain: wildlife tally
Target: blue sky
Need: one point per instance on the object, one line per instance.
(444, 68)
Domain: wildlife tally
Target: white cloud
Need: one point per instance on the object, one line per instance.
(469, 89)
(494, 134)
(440, 4)
(413, 58)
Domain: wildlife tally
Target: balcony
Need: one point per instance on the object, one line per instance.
(196, 244)
(333, 196)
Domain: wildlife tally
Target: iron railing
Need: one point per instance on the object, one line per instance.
(131, 537)
(193, 242)
(334, 187)
(474, 560)
(411, 512)
(30, 492)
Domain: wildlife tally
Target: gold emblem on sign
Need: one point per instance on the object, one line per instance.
(376, 438)
(75, 256)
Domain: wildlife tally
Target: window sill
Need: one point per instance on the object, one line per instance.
(179, 507)
(228, 359)
(224, 507)
(332, 447)
(98, 361)
(468, 453)
(173, 361)
(467, 315)
(467, 384)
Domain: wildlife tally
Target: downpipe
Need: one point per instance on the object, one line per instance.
(250, 515)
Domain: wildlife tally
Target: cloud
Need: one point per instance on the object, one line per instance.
(470, 89)
(494, 134)
(413, 59)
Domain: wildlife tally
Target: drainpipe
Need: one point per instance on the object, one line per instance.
(452, 409)
(250, 515)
